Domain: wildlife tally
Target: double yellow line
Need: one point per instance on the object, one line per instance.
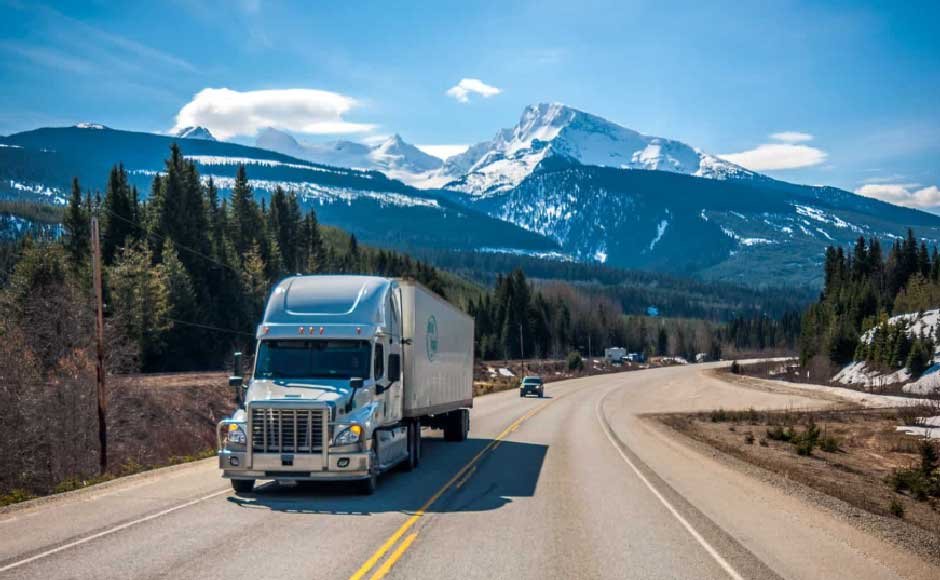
(466, 470)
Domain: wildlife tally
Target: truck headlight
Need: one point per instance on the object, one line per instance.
(348, 435)
(235, 436)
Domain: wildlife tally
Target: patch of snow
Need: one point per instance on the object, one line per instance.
(535, 253)
(756, 241)
(90, 126)
(328, 194)
(506, 372)
(39, 189)
(660, 230)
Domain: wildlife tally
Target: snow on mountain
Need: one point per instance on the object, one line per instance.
(393, 156)
(90, 126)
(194, 133)
(556, 130)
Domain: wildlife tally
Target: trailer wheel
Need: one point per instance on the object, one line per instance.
(458, 425)
(243, 485)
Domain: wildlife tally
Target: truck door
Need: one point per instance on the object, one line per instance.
(394, 394)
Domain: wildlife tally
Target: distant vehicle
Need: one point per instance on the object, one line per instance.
(636, 357)
(702, 357)
(652, 311)
(347, 371)
(532, 385)
(615, 354)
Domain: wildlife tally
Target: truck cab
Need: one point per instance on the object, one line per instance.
(326, 395)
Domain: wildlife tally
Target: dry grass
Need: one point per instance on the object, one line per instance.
(855, 456)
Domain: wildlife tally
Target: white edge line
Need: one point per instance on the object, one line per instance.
(110, 531)
(692, 531)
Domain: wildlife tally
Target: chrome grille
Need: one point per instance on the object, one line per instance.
(275, 430)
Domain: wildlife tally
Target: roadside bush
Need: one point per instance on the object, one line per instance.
(749, 439)
(929, 458)
(830, 444)
(735, 367)
(807, 440)
(720, 416)
(912, 482)
(575, 363)
(896, 508)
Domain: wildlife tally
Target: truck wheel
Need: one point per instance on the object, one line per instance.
(521, 393)
(414, 445)
(367, 486)
(541, 393)
(458, 425)
(243, 485)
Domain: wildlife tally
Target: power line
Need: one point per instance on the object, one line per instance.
(197, 253)
(163, 238)
(209, 327)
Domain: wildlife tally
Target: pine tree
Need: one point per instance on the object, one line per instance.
(77, 227)
(117, 214)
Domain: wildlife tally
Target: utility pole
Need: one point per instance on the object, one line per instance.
(99, 333)
(522, 347)
(590, 361)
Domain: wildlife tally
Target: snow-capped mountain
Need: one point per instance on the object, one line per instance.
(39, 165)
(393, 156)
(558, 131)
(194, 133)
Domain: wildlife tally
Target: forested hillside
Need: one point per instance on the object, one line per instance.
(863, 288)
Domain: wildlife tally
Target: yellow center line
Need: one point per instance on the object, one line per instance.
(466, 477)
(383, 549)
(387, 565)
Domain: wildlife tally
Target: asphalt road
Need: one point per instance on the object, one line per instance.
(575, 485)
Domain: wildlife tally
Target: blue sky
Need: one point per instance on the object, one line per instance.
(850, 89)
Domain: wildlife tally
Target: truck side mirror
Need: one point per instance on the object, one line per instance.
(394, 367)
(355, 383)
(236, 381)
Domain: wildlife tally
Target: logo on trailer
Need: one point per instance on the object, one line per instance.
(431, 335)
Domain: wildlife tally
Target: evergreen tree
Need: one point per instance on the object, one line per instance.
(118, 212)
(77, 227)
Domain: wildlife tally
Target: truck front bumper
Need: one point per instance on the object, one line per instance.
(338, 465)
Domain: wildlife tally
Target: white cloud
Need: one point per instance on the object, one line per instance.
(906, 194)
(791, 136)
(443, 151)
(461, 91)
(771, 156)
(788, 154)
(229, 113)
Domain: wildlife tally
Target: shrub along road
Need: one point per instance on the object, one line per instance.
(576, 485)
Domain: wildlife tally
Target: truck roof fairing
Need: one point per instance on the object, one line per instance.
(328, 300)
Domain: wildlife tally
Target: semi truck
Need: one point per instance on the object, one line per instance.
(347, 371)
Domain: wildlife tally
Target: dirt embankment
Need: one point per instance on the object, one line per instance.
(855, 455)
(152, 420)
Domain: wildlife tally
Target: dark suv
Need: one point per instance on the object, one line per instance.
(531, 385)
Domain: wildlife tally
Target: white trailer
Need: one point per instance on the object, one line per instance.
(347, 371)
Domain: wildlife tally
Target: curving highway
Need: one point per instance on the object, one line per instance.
(575, 485)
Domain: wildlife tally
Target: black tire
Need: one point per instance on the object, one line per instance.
(368, 486)
(243, 485)
(414, 446)
(522, 393)
(458, 425)
(541, 394)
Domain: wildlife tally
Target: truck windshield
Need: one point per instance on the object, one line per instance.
(298, 359)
